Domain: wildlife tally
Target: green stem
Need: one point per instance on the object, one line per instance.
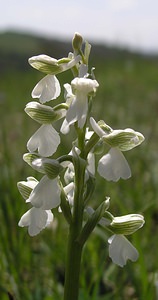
(81, 139)
(74, 253)
(74, 248)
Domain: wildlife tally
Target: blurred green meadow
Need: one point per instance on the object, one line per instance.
(33, 268)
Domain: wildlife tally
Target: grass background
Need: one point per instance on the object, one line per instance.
(33, 268)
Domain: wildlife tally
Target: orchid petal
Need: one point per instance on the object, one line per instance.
(46, 194)
(120, 250)
(65, 128)
(46, 139)
(100, 132)
(77, 111)
(114, 166)
(36, 219)
(48, 88)
(91, 163)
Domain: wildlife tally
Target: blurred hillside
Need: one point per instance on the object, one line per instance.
(15, 48)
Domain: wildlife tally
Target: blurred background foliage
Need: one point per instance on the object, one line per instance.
(33, 268)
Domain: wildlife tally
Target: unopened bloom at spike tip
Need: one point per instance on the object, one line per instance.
(77, 42)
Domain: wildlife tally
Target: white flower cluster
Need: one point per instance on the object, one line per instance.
(49, 192)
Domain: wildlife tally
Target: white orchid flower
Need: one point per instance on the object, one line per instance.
(46, 139)
(48, 88)
(120, 250)
(46, 194)
(113, 166)
(36, 219)
(78, 109)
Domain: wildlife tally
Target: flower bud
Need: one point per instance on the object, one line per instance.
(77, 41)
(127, 224)
(25, 187)
(124, 139)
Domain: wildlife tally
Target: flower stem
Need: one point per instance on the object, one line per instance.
(74, 248)
(74, 253)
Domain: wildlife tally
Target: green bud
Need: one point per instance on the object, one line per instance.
(123, 139)
(127, 224)
(43, 114)
(77, 41)
(25, 187)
